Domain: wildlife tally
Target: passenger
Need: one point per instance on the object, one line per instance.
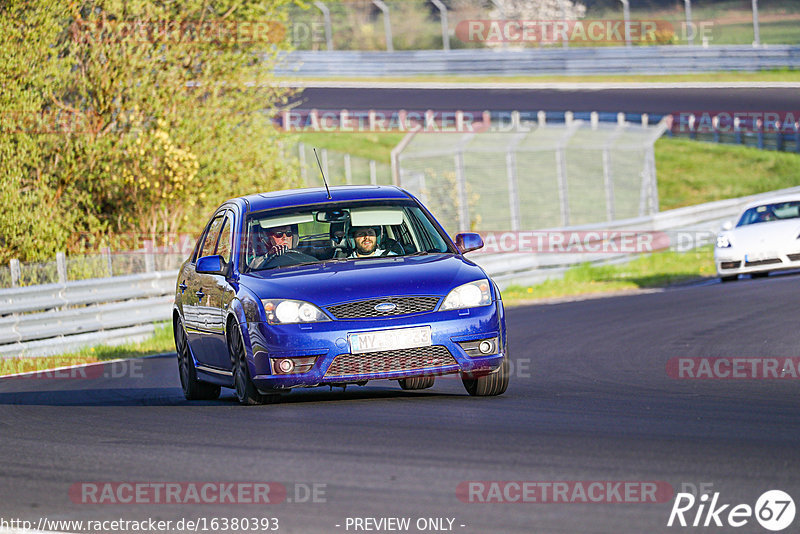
(366, 242)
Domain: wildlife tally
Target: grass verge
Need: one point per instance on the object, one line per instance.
(161, 341)
(659, 269)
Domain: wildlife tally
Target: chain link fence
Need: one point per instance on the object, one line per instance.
(340, 168)
(537, 176)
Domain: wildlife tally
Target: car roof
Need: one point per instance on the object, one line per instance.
(773, 200)
(318, 195)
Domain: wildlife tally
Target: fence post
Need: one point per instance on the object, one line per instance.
(301, 149)
(561, 173)
(760, 133)
(513, 195)
(461, 187)
(443, 14)
(325, 162)
(348, 172)
(107, 254)
(608, 182)
(373, 172)
(13, 265)
(61, 267)
(387, 24)
(326, 14)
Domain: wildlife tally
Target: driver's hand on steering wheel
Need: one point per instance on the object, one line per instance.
(277, 250)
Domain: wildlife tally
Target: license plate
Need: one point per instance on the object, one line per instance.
(759, 256)
(403, 338)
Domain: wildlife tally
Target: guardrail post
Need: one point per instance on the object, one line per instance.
(513, 195)
(324, 152)
(715, 126)
(737, 130)
(13, 265)
(61, 267)
(373, 172)
(760, 133)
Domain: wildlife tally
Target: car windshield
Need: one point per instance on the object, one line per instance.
(338, 232)
(770, 212)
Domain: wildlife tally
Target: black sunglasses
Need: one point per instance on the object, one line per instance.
(281, 234)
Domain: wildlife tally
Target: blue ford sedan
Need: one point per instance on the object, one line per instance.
(307, 288)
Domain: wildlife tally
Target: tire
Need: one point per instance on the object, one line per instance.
(193, 389)
(417, 382)
(732, 278)
(495, 383)
(246, 392)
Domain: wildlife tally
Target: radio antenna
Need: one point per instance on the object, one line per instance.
(324, 180)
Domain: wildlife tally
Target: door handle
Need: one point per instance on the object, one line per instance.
(183, 286)
(200, 294)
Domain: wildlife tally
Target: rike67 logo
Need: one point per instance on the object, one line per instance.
(774, 510)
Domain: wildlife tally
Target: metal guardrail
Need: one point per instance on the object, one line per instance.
(538, 61)
(54, 318)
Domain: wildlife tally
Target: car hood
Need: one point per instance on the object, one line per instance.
(766, 235)
(345, 281)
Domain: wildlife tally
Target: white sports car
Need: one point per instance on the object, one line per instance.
(766, 238)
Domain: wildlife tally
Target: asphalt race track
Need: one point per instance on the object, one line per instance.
(634, 100)
(590, 400)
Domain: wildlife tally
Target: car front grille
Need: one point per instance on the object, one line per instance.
(365, 309)
(390, 361)
(793, 257)
(730, 264)
(769, 261)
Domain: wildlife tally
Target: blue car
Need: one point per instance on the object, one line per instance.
(310, 288)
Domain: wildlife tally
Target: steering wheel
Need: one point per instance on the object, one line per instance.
(290, 257)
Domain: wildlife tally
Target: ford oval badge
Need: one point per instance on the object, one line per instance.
(385, 307)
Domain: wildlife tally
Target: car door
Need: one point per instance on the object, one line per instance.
(218, 293)
(198, 308)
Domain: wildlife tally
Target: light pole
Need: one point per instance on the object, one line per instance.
(387, 24)
(626, 14)
(326, 14)
(756, 40)
(689, 28)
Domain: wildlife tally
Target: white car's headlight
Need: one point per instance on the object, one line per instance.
(471, 295)
(285, 311)
(723, 241)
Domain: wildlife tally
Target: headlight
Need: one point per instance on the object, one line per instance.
(723, 241)
(284, 311)
(469, 295)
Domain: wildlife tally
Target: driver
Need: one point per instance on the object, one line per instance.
(279, 239)
(366, 242)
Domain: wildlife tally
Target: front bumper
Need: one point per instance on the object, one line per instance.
(328, 342)
(731, 262)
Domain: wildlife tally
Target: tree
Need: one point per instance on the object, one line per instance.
(170, 108)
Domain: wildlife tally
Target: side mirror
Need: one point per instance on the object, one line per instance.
(469, 241)
(727, 225)
(210, 265)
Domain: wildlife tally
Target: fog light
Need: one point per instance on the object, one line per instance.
(486, 347)
(286, 366)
